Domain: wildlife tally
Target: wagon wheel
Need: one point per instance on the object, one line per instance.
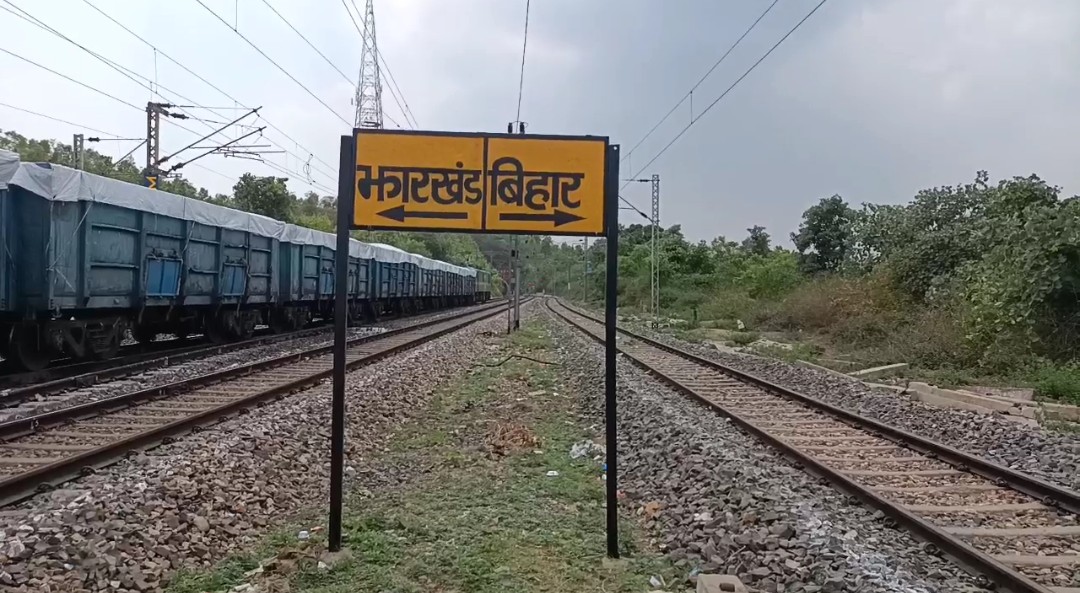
(28, 351)
(245, 326)
(104, 343)
(280, 321)
(144, 334)
(215, 331)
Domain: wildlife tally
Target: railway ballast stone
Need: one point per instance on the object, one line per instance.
(716, 500)
(1051, 455)
(129, 526)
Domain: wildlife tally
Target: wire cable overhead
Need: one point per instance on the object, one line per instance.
(727, 91)
(689, 94)
(524, 46)
(332, 170)
(271, 60)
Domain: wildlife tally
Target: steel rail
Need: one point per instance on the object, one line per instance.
(27, 385)
(973, 560)
(47, 476)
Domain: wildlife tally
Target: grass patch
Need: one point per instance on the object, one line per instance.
(743, 338)
(478, 511)
(229, 573)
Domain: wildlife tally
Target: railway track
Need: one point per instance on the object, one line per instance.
(40, 452)
(17, 388)
(1018, 532)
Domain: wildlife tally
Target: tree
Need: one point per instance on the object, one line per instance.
(264, 195)
(757, 242)
(926, 241)
(824, 237)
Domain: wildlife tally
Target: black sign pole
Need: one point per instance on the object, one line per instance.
(346, 172)
(611, 230)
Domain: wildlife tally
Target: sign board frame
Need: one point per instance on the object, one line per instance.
(469, 150)
(609, 228)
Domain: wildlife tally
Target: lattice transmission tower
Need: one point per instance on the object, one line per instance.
(369, 112)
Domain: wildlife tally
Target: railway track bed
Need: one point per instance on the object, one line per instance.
(163, 367)
(1018, 532)
(39, 452)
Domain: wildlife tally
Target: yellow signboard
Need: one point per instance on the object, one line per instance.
(480, 182)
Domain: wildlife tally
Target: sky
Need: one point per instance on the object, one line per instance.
(870, 99)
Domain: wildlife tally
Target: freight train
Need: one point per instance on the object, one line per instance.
(88, 260)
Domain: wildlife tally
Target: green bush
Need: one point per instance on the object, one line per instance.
(1061, 383)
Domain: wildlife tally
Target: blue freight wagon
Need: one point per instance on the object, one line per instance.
(87, 259)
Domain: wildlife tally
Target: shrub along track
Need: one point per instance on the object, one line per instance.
(1021, 533)
(39, 452)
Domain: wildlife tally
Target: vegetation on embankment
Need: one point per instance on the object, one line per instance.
(977, 282)
(467, 501)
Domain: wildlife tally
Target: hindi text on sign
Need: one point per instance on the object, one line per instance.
(420, 184)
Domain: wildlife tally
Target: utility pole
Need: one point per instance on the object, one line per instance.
(654, 256)
(153, 143)
(515, 253)
(585, 282)
(517, 282)
(655, 284)
(78, 160)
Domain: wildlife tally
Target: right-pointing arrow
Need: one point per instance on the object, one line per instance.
(558, 217)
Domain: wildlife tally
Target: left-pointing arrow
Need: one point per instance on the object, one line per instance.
(399, 214)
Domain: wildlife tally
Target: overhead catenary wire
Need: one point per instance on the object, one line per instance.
(727, 91)
(58, 120)
(394, 89)
(307, 41)
(709, 72)
(333, 171)
(149, 84)
(524, 46)
(86, 127)
(129, 153)
(276, 65)
(65, 76)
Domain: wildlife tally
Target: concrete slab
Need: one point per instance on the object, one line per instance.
(719, 583)
(942, 398)
(817, 367)
(879, 372)
(989, 403)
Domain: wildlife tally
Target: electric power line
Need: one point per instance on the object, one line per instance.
(309, 43)
(524, 45)
(129, 153)
(82, 84)
(58, 120)
(702, 79)
(333, 171)
(271, 60)
(728, 90)
(364, 36)
(123, 70)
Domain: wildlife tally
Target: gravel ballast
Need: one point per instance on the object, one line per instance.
(1053, 456)
(190, 503)
(717, 500)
